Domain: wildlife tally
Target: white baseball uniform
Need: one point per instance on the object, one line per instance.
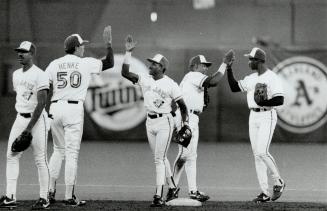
(262, 122)
(193, 92)
(70, 76)
(158, 95)
(27, 84)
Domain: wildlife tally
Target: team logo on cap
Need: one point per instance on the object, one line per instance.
(305, 85)
(112, 101)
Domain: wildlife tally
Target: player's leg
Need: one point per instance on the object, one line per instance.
(179, 164)
(58, 154)
(39, 146)
(12, 169)
(265, 134)
(260, 167)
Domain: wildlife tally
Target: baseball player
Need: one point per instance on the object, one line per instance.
(262, 120)
(31, 85)
(193, 85)
(158, 91)
(70, 76)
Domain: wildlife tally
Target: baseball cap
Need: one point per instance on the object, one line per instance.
(199, 59)
(73, 41)
(26, 46)
(256, 53)
(160, 59)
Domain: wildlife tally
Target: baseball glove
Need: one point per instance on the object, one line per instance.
(22, 142)
(260, 93)
(182, 137)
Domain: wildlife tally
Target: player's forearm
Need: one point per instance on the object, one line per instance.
(108, 62)
(231, 80)
(275, 101)
(36, 115)
(183, 109)
(215, 77)
(125, 69)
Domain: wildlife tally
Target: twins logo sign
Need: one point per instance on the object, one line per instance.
(113, 102)
(305, 85)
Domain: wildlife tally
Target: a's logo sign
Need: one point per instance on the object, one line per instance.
(112, 101)
(305, 86)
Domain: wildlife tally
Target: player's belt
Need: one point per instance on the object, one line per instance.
(260, 109)
(196, 112)
(153, 116)
(26, 115)
(68, 101)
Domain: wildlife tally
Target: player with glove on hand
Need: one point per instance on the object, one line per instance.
(264, 92)
(193, 87)
(30, 127)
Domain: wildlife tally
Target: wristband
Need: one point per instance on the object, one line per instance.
(222, 68)
(127, 58)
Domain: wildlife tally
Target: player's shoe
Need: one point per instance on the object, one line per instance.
(261, 198)
(200, 196)
(172, 194)
(74, 202)
(278, 190)
(52, 197)
(6, 202)
(41, 204)
(157, 201)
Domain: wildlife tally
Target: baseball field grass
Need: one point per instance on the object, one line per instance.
(121, 176)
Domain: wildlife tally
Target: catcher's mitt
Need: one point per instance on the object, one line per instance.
(182, 137)
(22, 142)
(260, 93)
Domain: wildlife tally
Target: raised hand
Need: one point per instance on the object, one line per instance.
(107, 38)
(229, 57)
(130, 44)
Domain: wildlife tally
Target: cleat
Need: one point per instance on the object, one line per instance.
(277, 191)
(172, 194)
(41, 204)
(199, 196)
(6, 202)
(261, 198)
(157, 201)
(74, 202)
(52, 197)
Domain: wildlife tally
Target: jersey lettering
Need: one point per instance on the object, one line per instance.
(74, 79)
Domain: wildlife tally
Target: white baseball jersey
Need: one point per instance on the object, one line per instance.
(158, 94)
(271, 79)
(70, 76)
(27, 84)
(192, 90)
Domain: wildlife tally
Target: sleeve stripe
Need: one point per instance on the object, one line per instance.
(240, 85)
(43, 87)
(277, 94)
(202, 81)
(178, 98)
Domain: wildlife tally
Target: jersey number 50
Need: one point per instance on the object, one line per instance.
(74, 79)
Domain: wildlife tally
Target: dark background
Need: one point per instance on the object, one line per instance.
(179, 33)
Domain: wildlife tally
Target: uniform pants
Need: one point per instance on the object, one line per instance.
(186, 157)
(67, 130)
(39, 147)
(261, 129)
(159, 132)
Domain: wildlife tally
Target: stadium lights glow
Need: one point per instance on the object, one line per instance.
(154, 16)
